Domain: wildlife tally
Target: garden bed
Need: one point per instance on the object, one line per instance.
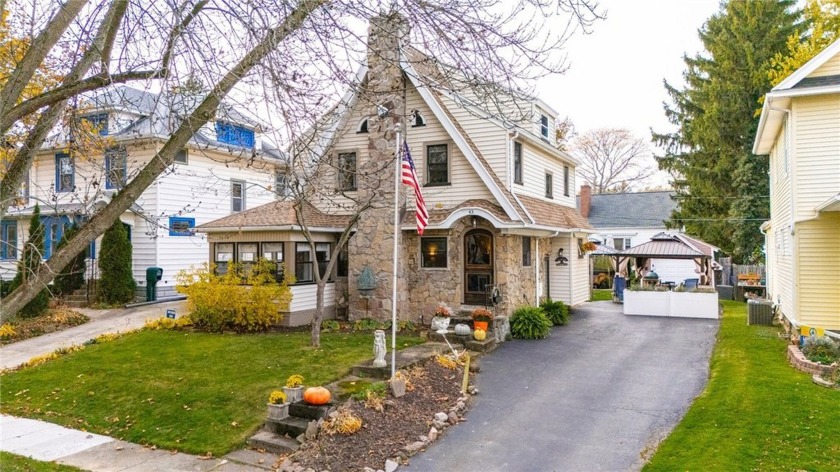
(798, 360)
(56, 319)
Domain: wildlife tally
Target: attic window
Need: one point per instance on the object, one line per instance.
(230, 133)
(98, 123)
(363, 126)
(181, 156)
(417, 119)
(544, 126)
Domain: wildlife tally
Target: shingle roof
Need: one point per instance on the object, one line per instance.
(632, 210)
(278, 214)
(823, 81)
(552, 214)
(665, 246)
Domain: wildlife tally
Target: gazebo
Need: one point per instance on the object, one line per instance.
(668, 247)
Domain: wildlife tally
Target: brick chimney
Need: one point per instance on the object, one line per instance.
(585, 200)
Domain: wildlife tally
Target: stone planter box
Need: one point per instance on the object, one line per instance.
(278, 411)
(673, 304)
(293, 394)
(800, 362)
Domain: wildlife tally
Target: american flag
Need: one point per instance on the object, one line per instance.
(409, 177)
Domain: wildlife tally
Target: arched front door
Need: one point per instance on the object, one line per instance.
(478, 265)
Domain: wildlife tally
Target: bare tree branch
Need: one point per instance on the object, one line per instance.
(611, 159)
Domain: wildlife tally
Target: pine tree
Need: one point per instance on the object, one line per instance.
(116, 283)
(721, 186)
(29, 263)
(73, 276)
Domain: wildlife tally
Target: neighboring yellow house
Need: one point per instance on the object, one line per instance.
(800, 130)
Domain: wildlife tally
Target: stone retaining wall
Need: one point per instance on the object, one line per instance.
(800, 362)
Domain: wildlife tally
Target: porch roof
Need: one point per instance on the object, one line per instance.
(276, 215)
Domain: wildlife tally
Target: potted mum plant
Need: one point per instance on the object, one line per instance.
(278, 408)
(440, 321)
(481, 318)
(294, 388)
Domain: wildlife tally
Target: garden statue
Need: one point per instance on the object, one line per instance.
(379, 348)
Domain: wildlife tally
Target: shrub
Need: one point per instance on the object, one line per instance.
(529, 322)
(116, 283)
(379, 389)
(219, 303)
(295, 380)
(28, 265)
(71, 277)
(822, 350)
(367, 324)
(330, 325)
(277, 397)
(557, 312)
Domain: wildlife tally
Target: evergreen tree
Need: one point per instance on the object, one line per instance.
(29, 262)
(721, 186)
(73, 276)
(116, 283)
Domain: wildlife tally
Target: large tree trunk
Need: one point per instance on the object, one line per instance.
(121, 202)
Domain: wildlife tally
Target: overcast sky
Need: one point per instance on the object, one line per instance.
(615, 75)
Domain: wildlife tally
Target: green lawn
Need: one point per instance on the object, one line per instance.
(15, 463)
(757, 412)
(193, 392)
(600, 294)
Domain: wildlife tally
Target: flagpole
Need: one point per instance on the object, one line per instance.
(397, 167)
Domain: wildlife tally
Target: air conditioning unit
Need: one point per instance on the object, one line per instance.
(760, 312)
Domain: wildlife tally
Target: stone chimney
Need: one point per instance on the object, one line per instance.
(585, 200)
(382, 101)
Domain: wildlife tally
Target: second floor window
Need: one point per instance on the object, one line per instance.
(621, 243)
(347, 171)
(544, 126)
(64, 173)
(549, 185)
(8, 240)
(517, 163)
(437, 164)
(237, 195)
(230, 133)
(565, 181)
(98, 123)
(281, 183)
(116, 162)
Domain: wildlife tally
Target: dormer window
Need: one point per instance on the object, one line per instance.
(236, 135)
(363, 126)
(544, 126)
(417, 119)
(98, 123)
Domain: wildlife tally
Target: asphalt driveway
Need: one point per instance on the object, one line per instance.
(597, 395)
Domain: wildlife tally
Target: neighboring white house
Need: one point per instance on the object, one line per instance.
(226, 168)
(500, 197)
(800, 130)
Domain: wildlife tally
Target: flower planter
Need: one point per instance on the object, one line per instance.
(675, 304)
(482, 325)
(278, 411)
(293, 394)
(440, 323)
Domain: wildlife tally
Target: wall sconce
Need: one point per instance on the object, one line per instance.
(561, 260)
(473, 222)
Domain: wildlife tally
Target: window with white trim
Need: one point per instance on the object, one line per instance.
(65, 173)
(116, 167)
(517, 162)
(282, 187)
(544, 126)
(237, 196)
(549, 185)
(621, 243)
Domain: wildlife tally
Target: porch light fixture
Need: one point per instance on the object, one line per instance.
(473, 222)
(561, 260)
(382, 111)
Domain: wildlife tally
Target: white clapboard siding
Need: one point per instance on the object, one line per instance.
(201, 190)
(559, 285)
(830, 67)
(817, 147)
(304, 297)
(819, 258)
(780, 251)
(488, 136)
(536, 163)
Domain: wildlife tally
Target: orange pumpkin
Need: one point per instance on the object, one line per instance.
(316, 396)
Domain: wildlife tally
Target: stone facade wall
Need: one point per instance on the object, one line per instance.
(372, 244)
(430, 287)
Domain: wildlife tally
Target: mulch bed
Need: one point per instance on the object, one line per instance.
(56, 319)
(384, 434)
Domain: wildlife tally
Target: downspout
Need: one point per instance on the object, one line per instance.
(537, 261)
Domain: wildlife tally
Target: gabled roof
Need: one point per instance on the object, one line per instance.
(276, 216)
(631, 210)
(777, 101)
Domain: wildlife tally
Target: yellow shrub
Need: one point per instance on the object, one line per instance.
(221, 302)
(167, 323)
(7, 331)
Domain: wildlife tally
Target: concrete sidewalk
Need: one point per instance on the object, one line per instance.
(101, 322)
(49, 442)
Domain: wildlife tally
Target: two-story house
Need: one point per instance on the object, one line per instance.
(500, 198)
(800, 130)
(227, 167)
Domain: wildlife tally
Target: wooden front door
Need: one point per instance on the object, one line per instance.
(478, 266)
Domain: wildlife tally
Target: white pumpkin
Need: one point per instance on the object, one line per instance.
(462, 329)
